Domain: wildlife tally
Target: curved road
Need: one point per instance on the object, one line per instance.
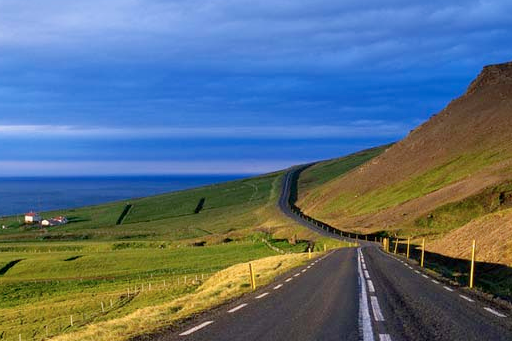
(351, 294)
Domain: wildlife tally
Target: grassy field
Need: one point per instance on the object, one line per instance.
(312, 178)
(105, 265)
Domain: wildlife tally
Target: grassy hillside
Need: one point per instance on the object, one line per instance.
(228, 207)
(457, 154)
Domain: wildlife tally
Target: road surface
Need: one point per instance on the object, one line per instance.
(352, 294)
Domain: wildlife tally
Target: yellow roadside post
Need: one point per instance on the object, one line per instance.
(325, 247)
(423, 253)
(408, 246)
(396, 245)
(253, 281)
(366, 236)
(309, 253)
(472, 272)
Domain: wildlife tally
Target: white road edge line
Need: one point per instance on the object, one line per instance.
(371, 288)
(467, 298)
(296, 275)
(449, 289)
(196, 328)
(434, 281)
(365, 323)
(384, 337)
(492, 311)
(366, 274)
(425, 276)
(303, 270)
(377, 313)
(237, 308)
(262, 295)
(288, 279)
(278, 286)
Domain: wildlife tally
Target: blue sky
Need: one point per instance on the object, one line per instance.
(228, 86)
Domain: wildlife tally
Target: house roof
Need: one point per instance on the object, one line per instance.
(31, 214)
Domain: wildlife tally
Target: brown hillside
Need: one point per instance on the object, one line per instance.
(466, 146)
(493, 234)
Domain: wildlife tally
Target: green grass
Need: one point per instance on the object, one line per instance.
(326, 171)
(46, 287)
(457, 214)
(412, 188)
(229, 206)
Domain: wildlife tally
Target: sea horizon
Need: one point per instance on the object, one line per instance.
(21, 194)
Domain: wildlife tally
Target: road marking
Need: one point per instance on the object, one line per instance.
(309, 266)
(492, 311)
(312, 264)
(237, 308)
(364, 266)
(467, 298)
(384, 337)
(424, 276)
(296, 275)
(366, 274)
(288, 279)
(278, 286)
(304, 270)
(196, 328)
(262, 295)
(365, 322)
(434, 281)
(417, 271)
(377, 313)
(449, 289)
(371, 288)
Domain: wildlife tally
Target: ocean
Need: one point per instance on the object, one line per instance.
(20, 195)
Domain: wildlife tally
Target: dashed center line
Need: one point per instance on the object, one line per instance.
(366, 274)
(384, 337)
(434, 281)
(425, 276)
(492, 311)
(237, 308)
(377, 313)
(296, 275)
(288, 279)
(449, 289)
(416, 271)
(196, 328)
(371, 288)
(262, 295)
(467, 298)
(303, 270)
(278, 286)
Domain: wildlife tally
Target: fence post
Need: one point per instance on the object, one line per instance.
(408, 246)
(472, 272)
(309, 253)
(71, 320)
(423, 253)
(396, 245)
(253, 281)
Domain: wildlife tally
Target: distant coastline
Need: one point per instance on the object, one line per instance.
(22, 194)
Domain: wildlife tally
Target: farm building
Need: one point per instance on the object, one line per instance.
(55, 221)
(32, 218)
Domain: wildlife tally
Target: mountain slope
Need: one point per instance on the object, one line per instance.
(459, 152)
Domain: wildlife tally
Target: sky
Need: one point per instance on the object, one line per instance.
(228, 86)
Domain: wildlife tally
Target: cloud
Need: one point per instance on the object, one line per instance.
(142, 167)
(356, 129)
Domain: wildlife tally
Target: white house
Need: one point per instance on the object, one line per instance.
(54, 221)
(32, 218)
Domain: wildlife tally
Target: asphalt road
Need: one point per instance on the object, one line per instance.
(353, 294)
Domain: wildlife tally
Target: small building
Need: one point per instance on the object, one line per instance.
(54, 221)
(32, 218)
